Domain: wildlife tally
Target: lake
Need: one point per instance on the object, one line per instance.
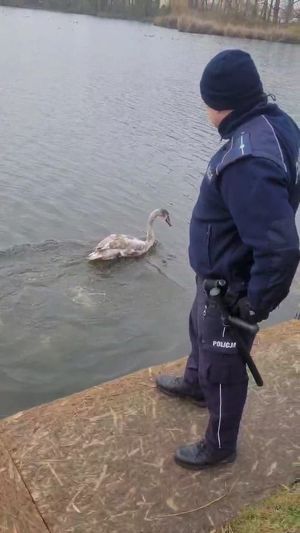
(101, 122)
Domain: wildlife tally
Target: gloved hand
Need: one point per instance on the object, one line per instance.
(242, 309)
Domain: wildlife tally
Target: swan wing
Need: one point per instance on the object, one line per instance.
(120, 242)
(106, 243)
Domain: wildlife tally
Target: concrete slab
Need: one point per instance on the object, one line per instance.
(101, 461)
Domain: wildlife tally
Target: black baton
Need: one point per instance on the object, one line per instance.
(215, 289)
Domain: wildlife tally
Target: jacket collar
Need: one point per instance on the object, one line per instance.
(239, 116)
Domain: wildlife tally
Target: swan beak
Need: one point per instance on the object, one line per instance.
(168, 221)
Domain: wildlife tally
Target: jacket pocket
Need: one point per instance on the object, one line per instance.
(200, 243)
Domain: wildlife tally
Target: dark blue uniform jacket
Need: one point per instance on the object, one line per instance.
(243, 224)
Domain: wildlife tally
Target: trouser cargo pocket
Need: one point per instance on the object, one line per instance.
(217, 336)
(222, 369)
(220, 361)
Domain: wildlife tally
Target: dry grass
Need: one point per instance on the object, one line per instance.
(192, 23)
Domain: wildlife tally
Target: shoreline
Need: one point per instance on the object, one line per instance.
(188, 22)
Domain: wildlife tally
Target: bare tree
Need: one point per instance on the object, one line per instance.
(289, 11)
(270, 11)
(264, 10)
(255, 5)
(276, 11)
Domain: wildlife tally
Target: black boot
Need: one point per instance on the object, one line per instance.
(176, 386)
(197, 456)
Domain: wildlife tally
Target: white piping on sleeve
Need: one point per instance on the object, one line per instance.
(279, 147)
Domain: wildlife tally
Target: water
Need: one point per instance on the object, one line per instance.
(101, 122)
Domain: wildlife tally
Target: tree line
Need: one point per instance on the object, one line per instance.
(271, 11)
(265, 11)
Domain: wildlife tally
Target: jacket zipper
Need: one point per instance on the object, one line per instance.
(208, 233)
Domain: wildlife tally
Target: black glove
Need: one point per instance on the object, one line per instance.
(242, 309)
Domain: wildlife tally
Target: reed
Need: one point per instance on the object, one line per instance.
(192, 23)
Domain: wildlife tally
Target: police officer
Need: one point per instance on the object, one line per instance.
(243, 231)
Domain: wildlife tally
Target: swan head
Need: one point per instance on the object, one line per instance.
(162, 213)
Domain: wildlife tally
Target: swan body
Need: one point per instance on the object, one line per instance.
(119, 245)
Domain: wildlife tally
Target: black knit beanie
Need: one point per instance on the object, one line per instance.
(231, 81)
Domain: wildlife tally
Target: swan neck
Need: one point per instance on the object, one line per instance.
(150, 231)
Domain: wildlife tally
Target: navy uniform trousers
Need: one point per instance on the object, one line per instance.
(215, 364)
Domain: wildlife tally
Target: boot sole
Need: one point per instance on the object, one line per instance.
(190, 466)
(200, 403)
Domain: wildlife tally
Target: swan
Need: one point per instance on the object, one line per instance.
(116, 245)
